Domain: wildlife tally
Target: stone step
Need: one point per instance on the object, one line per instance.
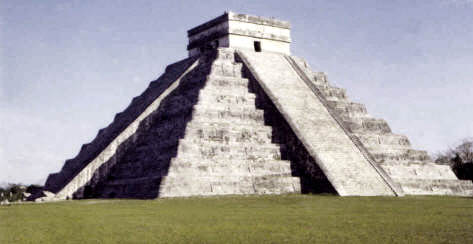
(227, 82)
(225, 106)
(228, 98)
(226, 92)
(333, 93)
(399, 154)
(216, 90)
(372, 125)
(255, 117)
(226, 69)
(259, 135)
(436, 187)
(183, 166)
(418, 171)
(228, 125)
(226, 185)
(405, 162)
(349, 109)
(317, 78)
(207, 150)
(373, 139)
(389, 149)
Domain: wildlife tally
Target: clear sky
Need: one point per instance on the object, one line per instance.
(66, 67)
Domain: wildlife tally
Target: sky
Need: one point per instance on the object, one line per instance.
(67, 67)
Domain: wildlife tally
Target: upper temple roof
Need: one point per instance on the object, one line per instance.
(240, 17)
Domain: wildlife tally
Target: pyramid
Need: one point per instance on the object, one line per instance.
(241, 115)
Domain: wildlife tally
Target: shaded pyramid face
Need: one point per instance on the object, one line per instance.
(241, 122)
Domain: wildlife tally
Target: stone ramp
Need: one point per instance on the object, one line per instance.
(343, 163)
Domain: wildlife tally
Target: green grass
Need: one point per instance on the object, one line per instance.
(242, 219)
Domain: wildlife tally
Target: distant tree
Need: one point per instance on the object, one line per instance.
(17, 192)
(460, 159)
(465, 151)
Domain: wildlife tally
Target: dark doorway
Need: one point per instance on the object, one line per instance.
(257, 46)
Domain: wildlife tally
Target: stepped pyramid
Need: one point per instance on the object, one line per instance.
(241, 115)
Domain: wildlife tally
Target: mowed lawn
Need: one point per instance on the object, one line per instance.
(243, 219)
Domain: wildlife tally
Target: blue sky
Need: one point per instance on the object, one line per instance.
(66, 67)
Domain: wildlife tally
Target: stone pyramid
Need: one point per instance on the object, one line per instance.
(241, 115)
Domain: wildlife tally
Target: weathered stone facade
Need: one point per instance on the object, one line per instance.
(239, 121)
(240, 31)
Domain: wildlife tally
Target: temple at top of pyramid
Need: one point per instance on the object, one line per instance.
(240, 31)
(241, 115)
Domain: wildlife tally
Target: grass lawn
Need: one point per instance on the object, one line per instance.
(242, 219)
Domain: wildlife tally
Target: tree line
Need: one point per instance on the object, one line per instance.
(17, 192)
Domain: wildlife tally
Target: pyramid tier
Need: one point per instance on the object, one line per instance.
(243, 151)
(243, 116)
(349, 109)
(375, 139)
(230, 99)
(224, 166)
(437, 187)
(417, 170)
(226, 185)
(231, 83)
(391, 154)
(228, 133)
